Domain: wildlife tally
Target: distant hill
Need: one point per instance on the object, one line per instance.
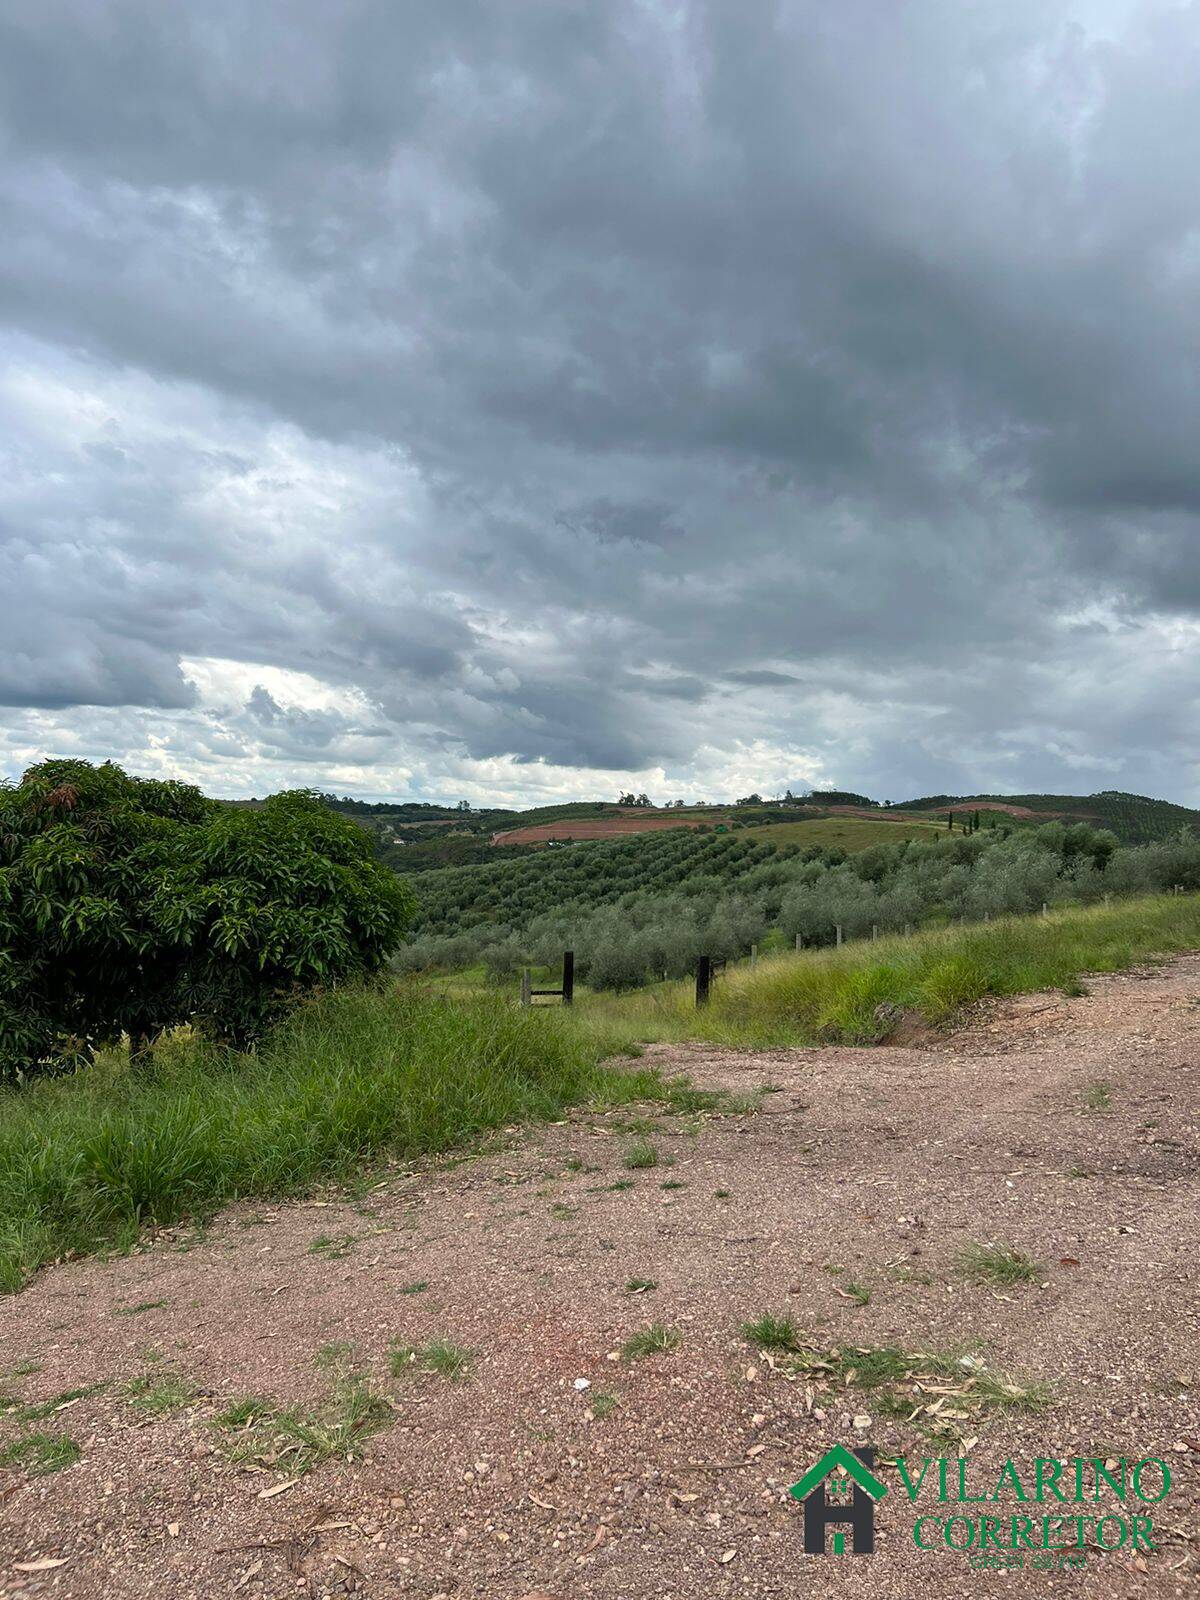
(415, 836)
(1134, 818)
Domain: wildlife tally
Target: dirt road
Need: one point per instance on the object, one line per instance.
(1064, 1129)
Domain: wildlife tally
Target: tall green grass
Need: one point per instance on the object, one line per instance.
(858, 993)
(88, 1161)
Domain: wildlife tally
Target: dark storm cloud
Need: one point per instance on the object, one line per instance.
(610, 386)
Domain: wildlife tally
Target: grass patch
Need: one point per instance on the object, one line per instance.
(333, 1246)
(296, 1441)
(996, 1263)
(142, 1305)
(772, 1333)
(649, 1342)
(88, 1161)
(603, 1405)
(39, 1410)
(160, 1393)
(743, 1104)
(641, 1285)
(942, 1394)
(1097, 1096)
(334, 1356)
(419, 1286)
(40, 1453)
(240, 1413)
(449, 1360)
(641, 1154)
(636, 1124)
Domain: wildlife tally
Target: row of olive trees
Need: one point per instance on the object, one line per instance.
(642, 937)
(616, 947)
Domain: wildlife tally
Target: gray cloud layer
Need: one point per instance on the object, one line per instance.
(483, 398)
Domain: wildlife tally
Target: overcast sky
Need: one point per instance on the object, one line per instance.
(524, 400)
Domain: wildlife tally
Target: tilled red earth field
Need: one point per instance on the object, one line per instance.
(1064, 1129)
(607, 827)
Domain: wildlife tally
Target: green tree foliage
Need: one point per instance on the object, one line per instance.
(130, 905)
(840, 797)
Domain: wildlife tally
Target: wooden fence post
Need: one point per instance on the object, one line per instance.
(526, 986)
(753, 955)
(837, 928)
(799, 941)
(874, 930)
(703, 980)
(568, 977)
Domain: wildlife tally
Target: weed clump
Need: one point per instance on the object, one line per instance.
(258, 1431)
(651, 1341)
(996, 1263)
(939, 1393)
(442, 1356)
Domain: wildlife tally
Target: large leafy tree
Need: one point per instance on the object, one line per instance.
(129, 905)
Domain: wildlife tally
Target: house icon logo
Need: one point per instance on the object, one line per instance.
(841, 1487)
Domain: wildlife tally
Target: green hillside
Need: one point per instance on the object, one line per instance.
(1134, 818)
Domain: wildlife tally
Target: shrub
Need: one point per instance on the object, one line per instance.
(129, 905)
